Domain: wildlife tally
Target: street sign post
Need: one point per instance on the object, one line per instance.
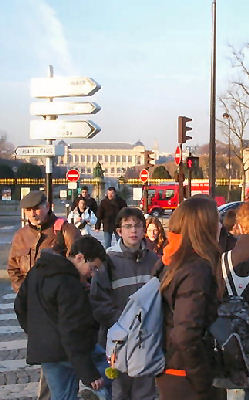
(63, 87)
(178, 155)
(144, 175)
(46, 150)
(55, 129)
(63, 108)
(73, 175)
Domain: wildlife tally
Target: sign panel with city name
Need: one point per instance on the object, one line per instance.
(39, 151)
(63, 87)
(55, 129)
(63, 108)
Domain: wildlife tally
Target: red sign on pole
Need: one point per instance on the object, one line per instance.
(178, 155)
(144, 175)
(73, 175)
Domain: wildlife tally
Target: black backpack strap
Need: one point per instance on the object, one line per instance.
(227, 267)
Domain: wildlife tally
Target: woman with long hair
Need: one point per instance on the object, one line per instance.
(190, 287)
(155, 235)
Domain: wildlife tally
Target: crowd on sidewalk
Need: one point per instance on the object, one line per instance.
(71, 291)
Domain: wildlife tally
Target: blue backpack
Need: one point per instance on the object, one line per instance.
(134, 342)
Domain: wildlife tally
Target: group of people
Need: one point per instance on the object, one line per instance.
(70, 291)
(85, 213)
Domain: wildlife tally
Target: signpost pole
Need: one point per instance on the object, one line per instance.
(189, 179)
(145, 194)
(49, 160)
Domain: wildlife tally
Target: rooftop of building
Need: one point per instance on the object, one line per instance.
(105, 145)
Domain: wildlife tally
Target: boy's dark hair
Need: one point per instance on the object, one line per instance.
(112, 188)
(229, 219)
(127, 212)
(90, 247)
(84, 188)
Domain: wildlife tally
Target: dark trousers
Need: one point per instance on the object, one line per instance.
(178, 388)
(126, 388)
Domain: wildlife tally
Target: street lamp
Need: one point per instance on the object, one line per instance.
(227, 116)
(212, 146)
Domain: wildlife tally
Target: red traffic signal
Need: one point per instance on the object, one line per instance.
(149, 159)
(183, 129)
(192, 162)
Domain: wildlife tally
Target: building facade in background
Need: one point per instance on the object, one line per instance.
(114, 158)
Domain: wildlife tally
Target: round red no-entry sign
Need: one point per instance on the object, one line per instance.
(144, 175)
(178, 155)
(73, 175)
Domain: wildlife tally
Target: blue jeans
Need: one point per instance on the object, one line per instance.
(62, 380)
(108, 238)
(100, 361)
(238, 394)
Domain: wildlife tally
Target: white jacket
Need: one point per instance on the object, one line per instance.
(87, 216)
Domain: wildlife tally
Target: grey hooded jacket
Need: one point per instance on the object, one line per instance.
(122, 275)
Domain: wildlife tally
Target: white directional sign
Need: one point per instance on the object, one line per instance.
(39, 151)
(63, 108)
(63, 87)
(55, 129)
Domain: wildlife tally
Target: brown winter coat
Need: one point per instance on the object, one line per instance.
(27, 244)
(190, 305)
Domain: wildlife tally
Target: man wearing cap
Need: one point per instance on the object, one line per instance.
(39, 233)
(43, 230)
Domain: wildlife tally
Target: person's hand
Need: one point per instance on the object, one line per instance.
(78, 219)
(98, 384)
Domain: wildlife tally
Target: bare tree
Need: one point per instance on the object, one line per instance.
(6, 148)
(235, 107)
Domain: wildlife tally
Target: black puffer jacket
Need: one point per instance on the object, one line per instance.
(190, 305)
(53, 309)
(107, 212)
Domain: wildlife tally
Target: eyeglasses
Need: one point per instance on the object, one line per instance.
(130, 226)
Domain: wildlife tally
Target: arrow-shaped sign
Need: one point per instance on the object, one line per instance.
(55, 129)
(63, 108)
(63, 87)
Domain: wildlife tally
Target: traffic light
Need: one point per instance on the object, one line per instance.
(192, 162)
(149, 159)
(183, 128)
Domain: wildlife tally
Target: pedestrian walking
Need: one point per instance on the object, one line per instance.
(128, 269)
(82, 217)
(42, 231)
(53, 303)
(155, 235)
(190, 288)
(107, 213)
(90, 201)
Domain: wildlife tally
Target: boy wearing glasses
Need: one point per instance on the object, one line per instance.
(127, 270)
(52, 307)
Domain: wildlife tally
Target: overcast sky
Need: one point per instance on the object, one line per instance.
(152, 59)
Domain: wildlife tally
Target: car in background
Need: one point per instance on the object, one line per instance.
(234, 205)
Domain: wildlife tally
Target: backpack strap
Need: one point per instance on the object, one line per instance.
(60, 244)
(227, 269)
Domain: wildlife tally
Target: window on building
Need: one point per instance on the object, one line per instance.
(123, 158)
(94, 159)
(129, 159)
(119, 170)
(106, 159)
(112, 159)
(83, 170)
(138, 160)
(88, 158)
(106, 170)
(118, 158)
(82, 158)
(89, 170)
(70, 158)
(112, 170)
(100, 158)
(76, 159)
